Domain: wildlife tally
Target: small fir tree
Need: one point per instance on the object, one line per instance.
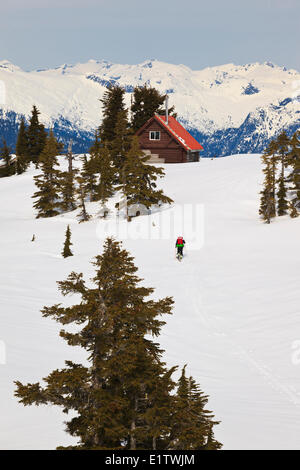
(82, 192)
(212, 443)
(67, 245)
(293, 210)
(8, 168)
(192, 424)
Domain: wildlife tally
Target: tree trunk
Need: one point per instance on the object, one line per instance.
(132, 438)
(132, 427)
(70, 157)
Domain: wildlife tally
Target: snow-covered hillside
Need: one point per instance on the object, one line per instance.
(247, 104)
(236, 318)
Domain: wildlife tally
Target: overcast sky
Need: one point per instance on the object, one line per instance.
(196, 33)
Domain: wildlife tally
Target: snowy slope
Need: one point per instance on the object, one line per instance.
(236, 317)
(248, 104)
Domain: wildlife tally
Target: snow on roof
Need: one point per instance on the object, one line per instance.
(181, 134)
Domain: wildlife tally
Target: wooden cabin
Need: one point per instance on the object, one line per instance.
(165, 140)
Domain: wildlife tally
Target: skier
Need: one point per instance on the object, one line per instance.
(180, 242)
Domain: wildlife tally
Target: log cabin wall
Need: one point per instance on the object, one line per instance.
(166, 147)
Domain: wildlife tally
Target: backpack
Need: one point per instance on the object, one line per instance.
(179, 241)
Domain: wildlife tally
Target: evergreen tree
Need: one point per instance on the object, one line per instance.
(89, 177)
(70, 157)
(283, 143)
(107, 173)
(22, 149)
(139, 179)
(272, 153)
(36, 136)
(67, 190)
(122, 399)
(8, 168)
(67, 250)
(47, 196)
(212, 443)
(192, 423)
(147, 101)
(82, 192)
(112, 105)
(120, 145)
(158, 410)
(295, 163)
(96, 146)
(267, 203)
(282, 203)
(293, 210)
(116, 324)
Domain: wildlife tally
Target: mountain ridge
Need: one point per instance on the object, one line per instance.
(228, 107)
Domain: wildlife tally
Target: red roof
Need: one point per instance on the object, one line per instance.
(179, 132)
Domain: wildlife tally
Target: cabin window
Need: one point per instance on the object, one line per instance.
(154, 135)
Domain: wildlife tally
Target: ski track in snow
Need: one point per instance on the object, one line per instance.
(236, 314)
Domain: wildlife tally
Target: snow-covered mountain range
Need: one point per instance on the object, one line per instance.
(228, 108)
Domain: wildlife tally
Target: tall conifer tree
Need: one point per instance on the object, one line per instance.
(107, 174)
(282, 143)
(147, 101)
(295, 163)
(282, 202)
(112, 105)
(283, 146)
(115, 318)
(120, 145)
(122, 399)
(139, 179)
(267, 208)
(47, 196)
(67, 190)
(89, 176)
(22, 149)
(36, 136)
